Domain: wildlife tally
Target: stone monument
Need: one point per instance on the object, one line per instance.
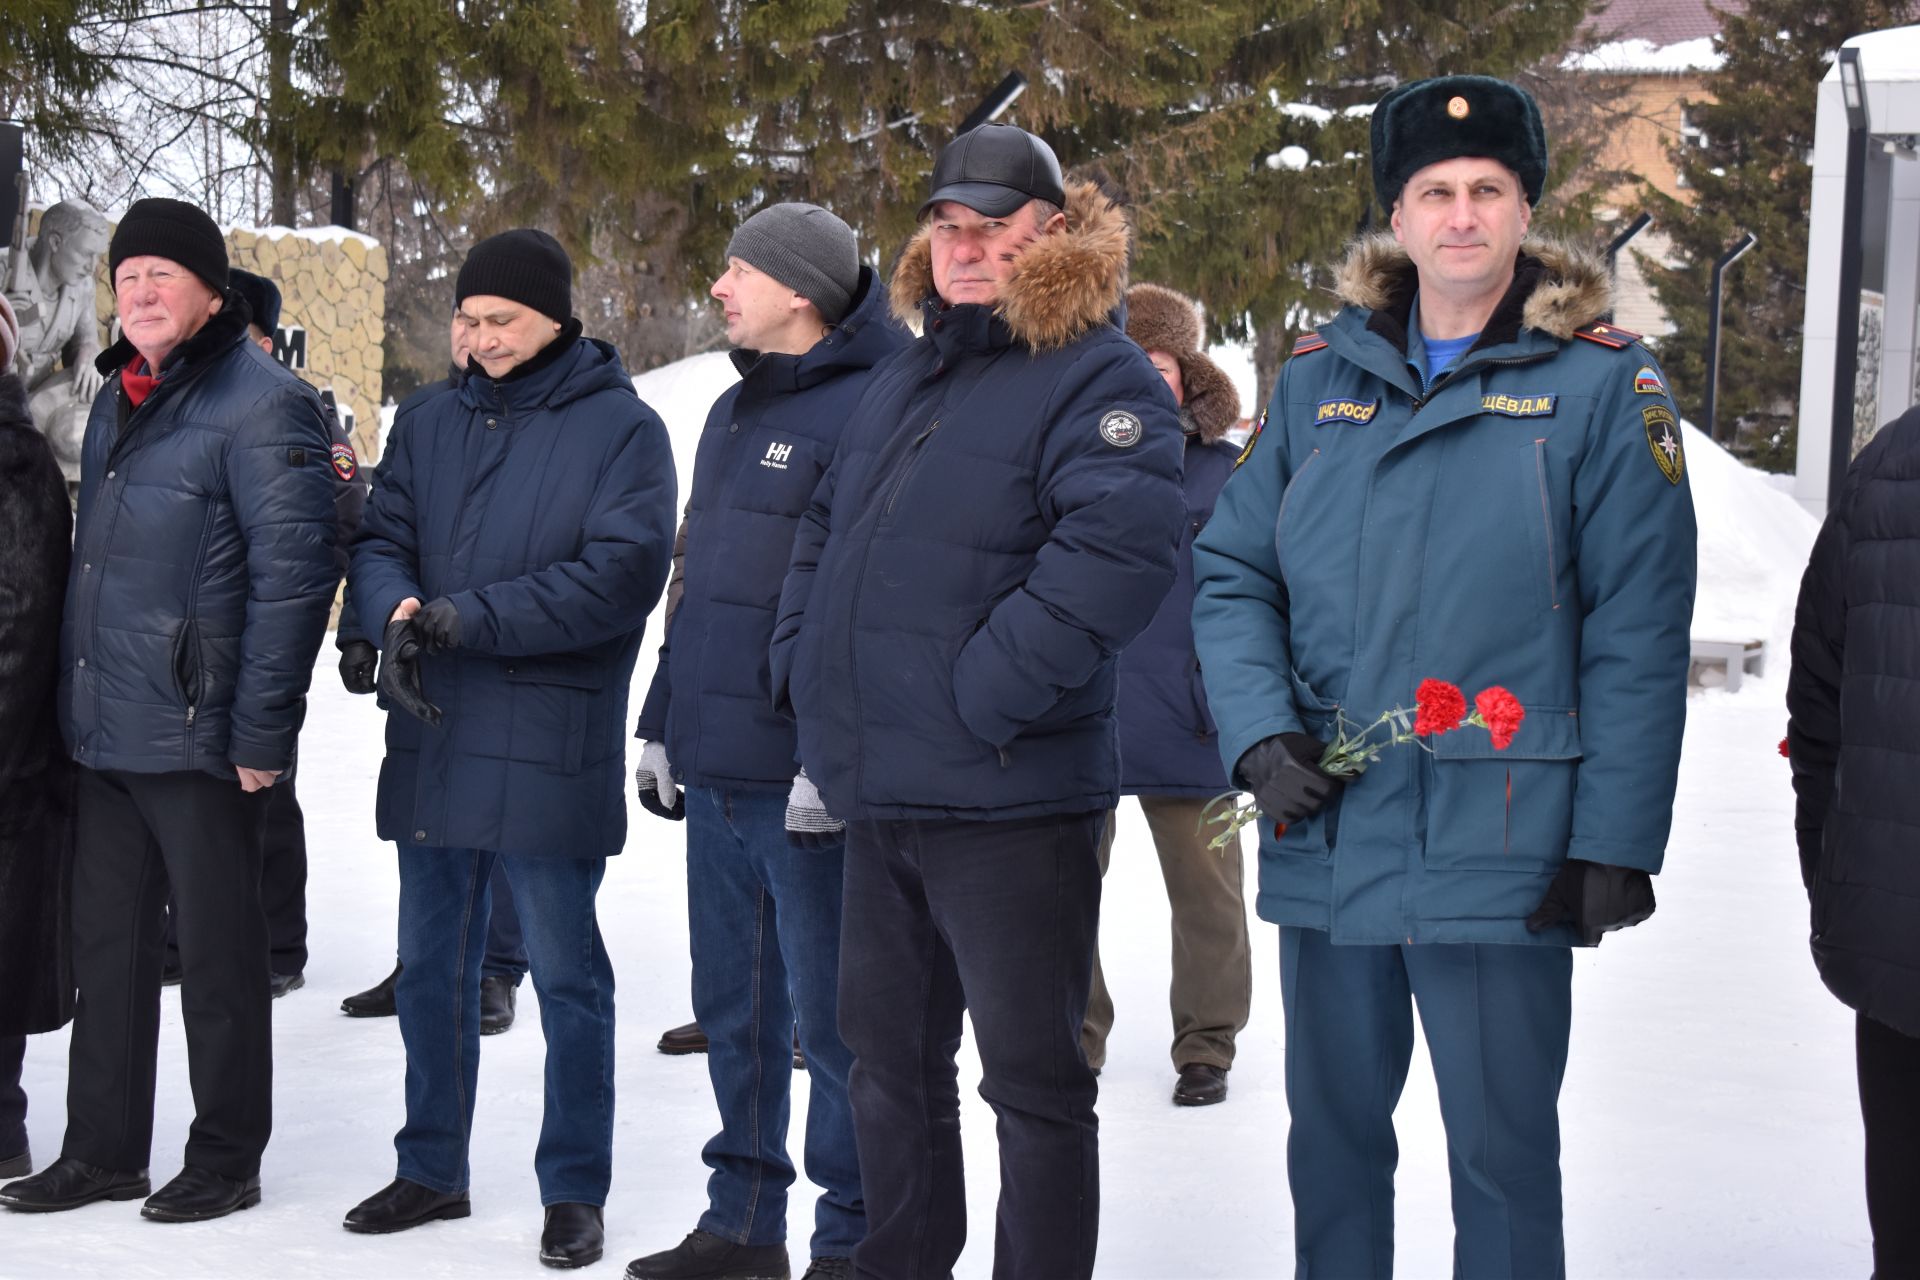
(51, 283)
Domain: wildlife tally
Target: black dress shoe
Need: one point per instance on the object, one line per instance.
(1200, 1085)
(575, 1235)
(496, 1005)
(68, 1183)
(402, 1204)
(281, 983)
(375, 1002)
(829, 1269)
(17, 1166)
(687, 1039)
(195, 1195)
(705, 1256)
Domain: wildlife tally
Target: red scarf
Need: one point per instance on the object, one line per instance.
(136, 381)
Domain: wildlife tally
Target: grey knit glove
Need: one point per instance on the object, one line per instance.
(658, 794)
(809, 825)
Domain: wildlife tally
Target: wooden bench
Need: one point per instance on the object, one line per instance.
(1738, 657)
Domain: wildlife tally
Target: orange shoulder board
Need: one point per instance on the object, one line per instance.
(1308, 342)
(1608, 335)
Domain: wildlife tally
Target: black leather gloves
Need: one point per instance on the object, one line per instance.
(439, 625)
(1595, 899)
(358, 663)
(653, 779)
(1283, 773)
(400, 671)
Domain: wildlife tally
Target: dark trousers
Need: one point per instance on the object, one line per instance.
(139, 835)
(1890, 1104)
(13, 1099)
(1497, 1020)
(283, 884)
(996, 920)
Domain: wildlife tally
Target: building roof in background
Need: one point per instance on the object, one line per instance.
(1652, 35)
(1658, 22)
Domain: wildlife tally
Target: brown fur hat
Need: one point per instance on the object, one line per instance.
(1160, 319)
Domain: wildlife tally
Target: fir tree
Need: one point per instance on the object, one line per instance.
(1752, 173)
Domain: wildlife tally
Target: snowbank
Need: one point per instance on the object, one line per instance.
(1624, 56)
(1754, 544)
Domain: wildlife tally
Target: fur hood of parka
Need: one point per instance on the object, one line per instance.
(1064, 284)
(1165, 320)
(1568, 290)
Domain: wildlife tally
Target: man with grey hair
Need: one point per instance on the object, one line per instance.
(59, 331)
(807, 322)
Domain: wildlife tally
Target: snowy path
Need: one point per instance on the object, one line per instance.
(1710, 1122)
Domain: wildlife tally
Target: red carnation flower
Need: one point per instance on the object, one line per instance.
(1783, 749)
(1441, 707)
(1501, 712)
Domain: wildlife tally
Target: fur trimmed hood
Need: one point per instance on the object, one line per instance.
(1064, 285)
(1573, 289)
(1162, 319)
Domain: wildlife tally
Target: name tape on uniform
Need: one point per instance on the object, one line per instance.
(1519, 406)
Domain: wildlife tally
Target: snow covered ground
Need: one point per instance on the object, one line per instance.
(1710, 1122)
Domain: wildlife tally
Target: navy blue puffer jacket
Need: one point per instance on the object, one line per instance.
(203, 563)
(1000, 520)
(541, 505)
(766, 444)
(1168, 743)
(1854, 699)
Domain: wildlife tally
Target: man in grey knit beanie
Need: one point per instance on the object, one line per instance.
(805, 248)
(808, 325)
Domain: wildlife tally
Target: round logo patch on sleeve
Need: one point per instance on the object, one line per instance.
(345, 464)
(1121, 429)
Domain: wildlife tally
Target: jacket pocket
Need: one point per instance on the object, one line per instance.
(1544, 539)
(551, 708)
(1314, 838)
(186, 665)
(1510, 810)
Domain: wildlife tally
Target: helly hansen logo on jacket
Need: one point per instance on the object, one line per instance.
(777, 455)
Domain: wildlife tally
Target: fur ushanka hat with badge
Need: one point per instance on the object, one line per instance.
(1159, 319)
(1446, 117)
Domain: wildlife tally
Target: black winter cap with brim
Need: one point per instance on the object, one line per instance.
(263, 298)
(523, 265)
(1447, 117)
(994, 170)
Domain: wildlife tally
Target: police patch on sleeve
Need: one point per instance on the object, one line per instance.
(1120, 429)
(345, 464)
(1253, 438)
(1663, 438)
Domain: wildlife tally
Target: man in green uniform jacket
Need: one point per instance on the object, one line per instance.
(1468, 476)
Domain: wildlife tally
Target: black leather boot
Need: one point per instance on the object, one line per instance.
(705, 1256)
(1200, 1085)
(197, 1195)
(496, 1005)
(375, 1002)
(683, 1039)
(402, 1204)
(68, 1183)
(575, 1235)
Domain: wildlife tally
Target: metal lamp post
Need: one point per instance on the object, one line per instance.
(1846, 362)
(1734, 253)
(994, 103)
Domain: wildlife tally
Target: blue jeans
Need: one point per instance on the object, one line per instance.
(1497, 1020)
(506, 955)
(764, 924)
(444, 905)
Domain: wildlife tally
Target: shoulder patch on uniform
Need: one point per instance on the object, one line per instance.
(1252, 438)
(1647, 382)
(1358, 412)
(1120, 429)
(1608, 335)
(345, 464)
(1663, 438)
(1308, 342)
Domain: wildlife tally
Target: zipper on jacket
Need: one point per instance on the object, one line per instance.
(1546, 519)
(906, 469)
